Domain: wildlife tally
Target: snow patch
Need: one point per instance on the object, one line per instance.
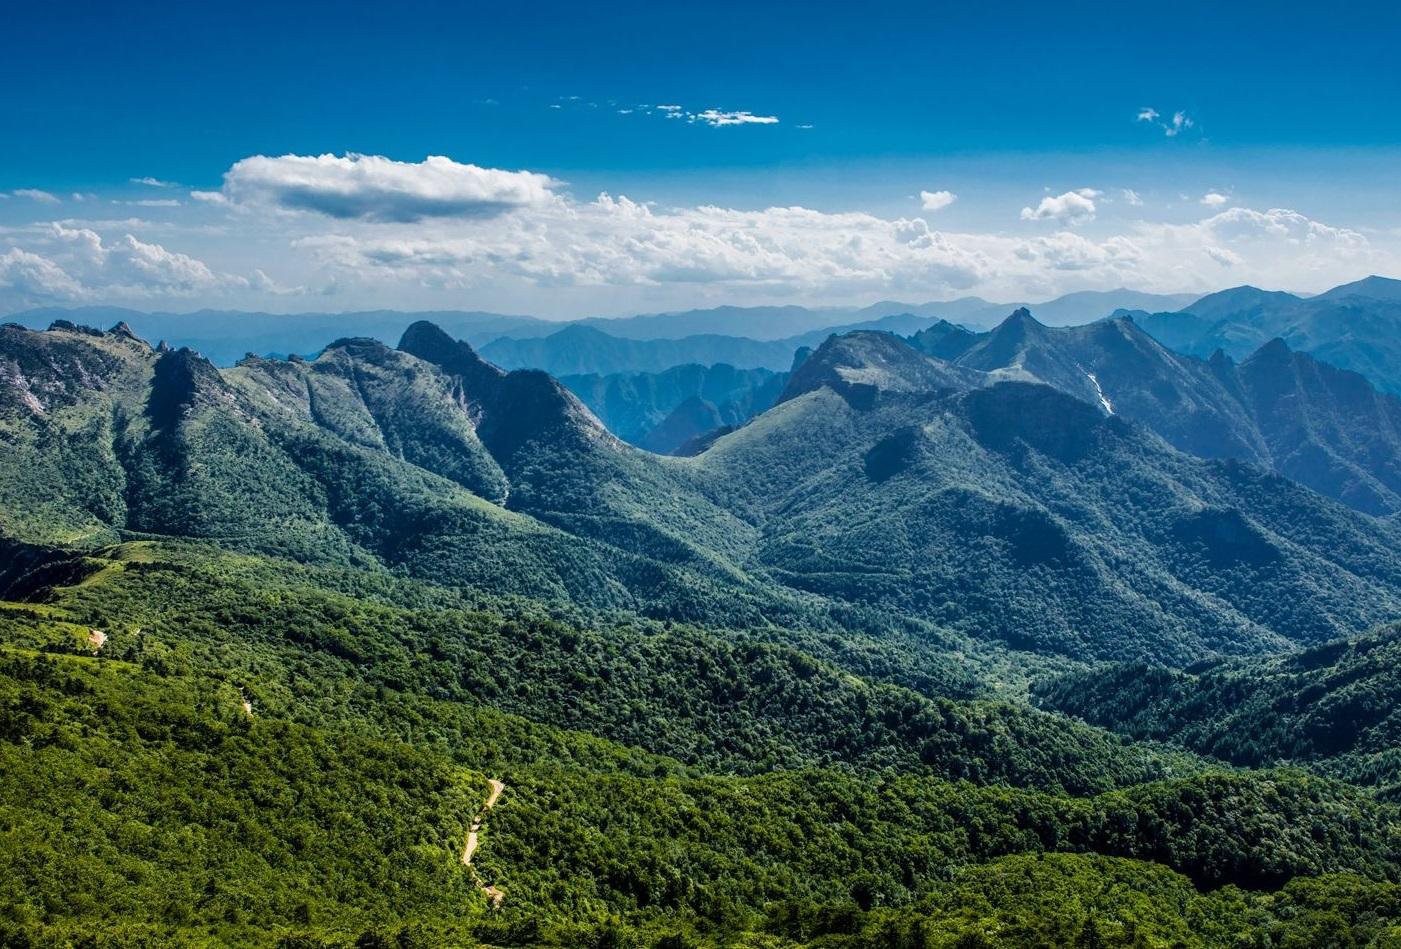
(1108, 406)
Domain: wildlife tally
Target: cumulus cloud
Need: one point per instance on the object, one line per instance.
(1068, 251)
(374, 188)
(1214, 199)
(32, 278)
(614, 241)
(1277, 246)
(34, 194)
(1130, 196)
(936, 200)
(1072, 207)
(76, 264)
(374, 241)
(153, 182)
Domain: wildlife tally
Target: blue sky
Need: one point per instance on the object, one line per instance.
(1283, 114)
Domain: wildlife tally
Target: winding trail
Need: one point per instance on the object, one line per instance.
(494, 896)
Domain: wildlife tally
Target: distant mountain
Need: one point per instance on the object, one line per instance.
(226, 336)
(664, 410)
(580, 350)
(583, 349)
(782, 322)
(1371, 288)
(1356, 326)
(1071, 309)
(750, 322)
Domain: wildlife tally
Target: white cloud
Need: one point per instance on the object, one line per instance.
(555, 254)
(1214, 199)
(374, 188)
(718, 119)
(76, 264)
(1224, 257)
(936, 200)
(1072, 207)
(153, 182)
(1179, 123)
(34, 194)
(34, 279)
(1068, 251)
(614, 241)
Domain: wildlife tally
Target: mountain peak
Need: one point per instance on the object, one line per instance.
(861, 364)
(123, 330)
(1373, 287)
(429, 343)
(1276, 350)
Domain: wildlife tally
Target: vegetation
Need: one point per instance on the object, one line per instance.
(1333, 707)
(270, 635)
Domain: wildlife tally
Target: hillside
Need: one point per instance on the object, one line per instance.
(1332, 707)
(307, 761)
(1033, 518)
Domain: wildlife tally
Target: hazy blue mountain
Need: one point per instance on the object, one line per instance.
(1372, 288)
(1344, 327)
(579, 350)
(1068, 310)
(226, 336)
(751, 322)
(662, 411)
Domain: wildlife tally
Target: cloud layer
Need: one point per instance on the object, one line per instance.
(372, 231)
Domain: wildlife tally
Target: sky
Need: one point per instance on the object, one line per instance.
(600, 159)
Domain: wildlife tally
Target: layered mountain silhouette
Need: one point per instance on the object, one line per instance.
(1287, 411)
(1356, 326)
(887, 486)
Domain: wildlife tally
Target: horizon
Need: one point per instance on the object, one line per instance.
(598, 317)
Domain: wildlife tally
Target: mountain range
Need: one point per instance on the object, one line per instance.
(1286, 411)
(884, 481)
(225, 336)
